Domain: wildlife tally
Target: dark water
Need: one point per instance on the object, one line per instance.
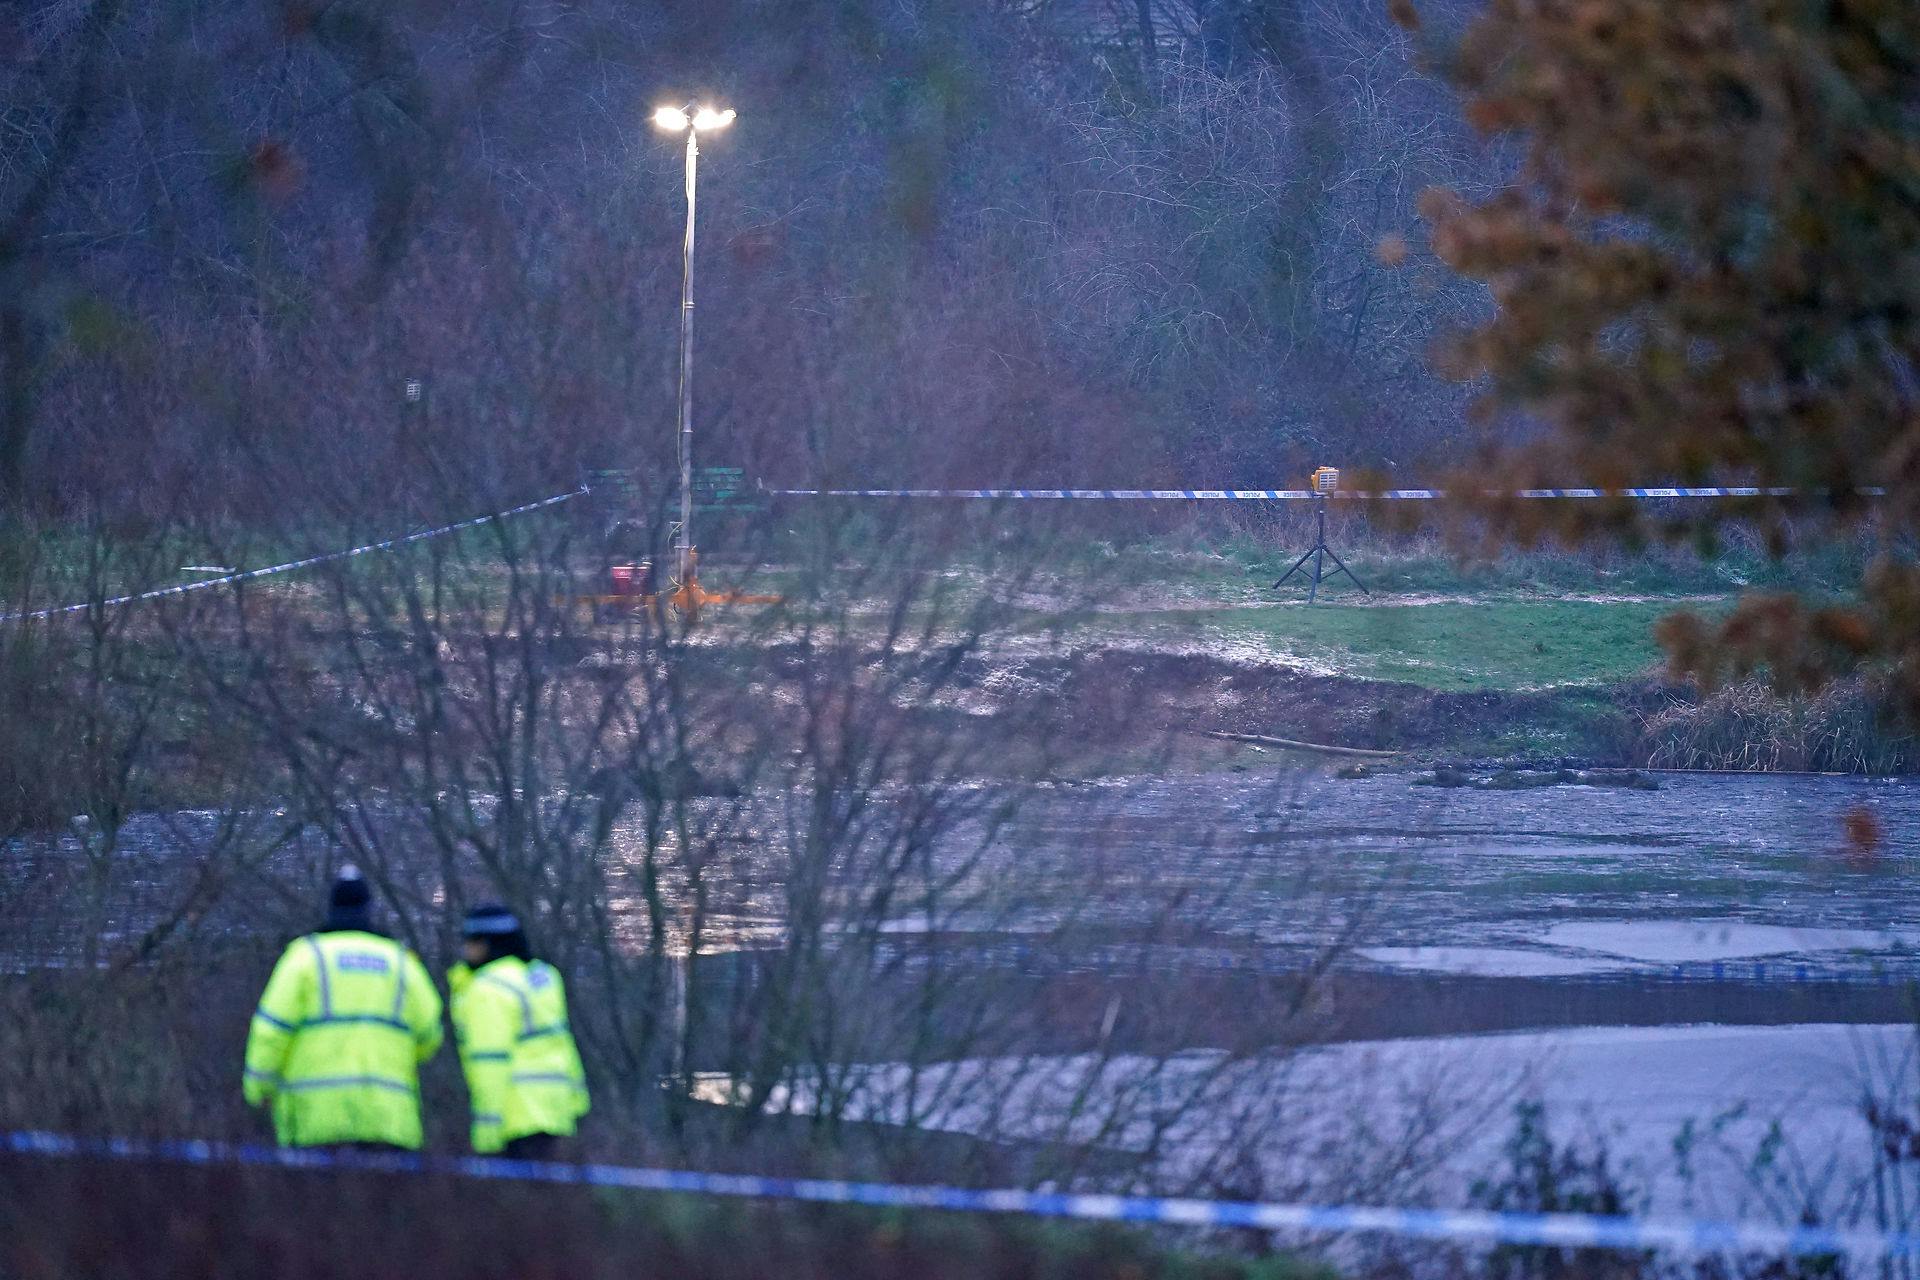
(1708, 868)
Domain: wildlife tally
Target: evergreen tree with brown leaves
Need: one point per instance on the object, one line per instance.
(1705, 269)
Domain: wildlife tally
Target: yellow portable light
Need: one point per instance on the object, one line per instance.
(1323, 483)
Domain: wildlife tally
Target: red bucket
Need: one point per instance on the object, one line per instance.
(623, 579)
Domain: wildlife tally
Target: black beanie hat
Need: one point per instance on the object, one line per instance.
(349, 903)
(349, 889)
(499, 928)
(490, 920)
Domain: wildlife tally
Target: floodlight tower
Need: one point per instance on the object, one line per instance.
(693, 121)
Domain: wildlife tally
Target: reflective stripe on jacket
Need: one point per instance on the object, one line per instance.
(336, 1044)
(523, 1069)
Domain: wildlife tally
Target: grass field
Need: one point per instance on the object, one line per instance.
(1500, 644)
(1529, 620)
(1525, 621)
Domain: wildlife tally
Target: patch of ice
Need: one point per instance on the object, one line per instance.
(1495, 962)
(1444, 1103)
(1679, 941)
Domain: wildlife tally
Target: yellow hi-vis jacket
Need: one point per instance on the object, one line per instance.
(336, 1044)
(523, 1069)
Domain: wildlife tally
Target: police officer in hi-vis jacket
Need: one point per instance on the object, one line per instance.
(523, 1071)
(342, 1028)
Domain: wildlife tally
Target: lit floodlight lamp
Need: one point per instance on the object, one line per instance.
(692, 120)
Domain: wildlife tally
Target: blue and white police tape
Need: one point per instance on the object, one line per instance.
(1308, 495)
(389, 544)
(1565, 1230)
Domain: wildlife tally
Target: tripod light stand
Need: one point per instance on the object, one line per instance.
(1325, 480)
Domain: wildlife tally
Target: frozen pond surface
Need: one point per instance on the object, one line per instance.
(1493, 962)
(1643, 1093)
(1561, 880)
(1557, 885)
(1582, 947)
(1639, 1089)
(1675, 941)
(1553, 884)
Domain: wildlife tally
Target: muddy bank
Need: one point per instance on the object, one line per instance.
(1112, 698)
(1059, 708)
(1121, 695)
